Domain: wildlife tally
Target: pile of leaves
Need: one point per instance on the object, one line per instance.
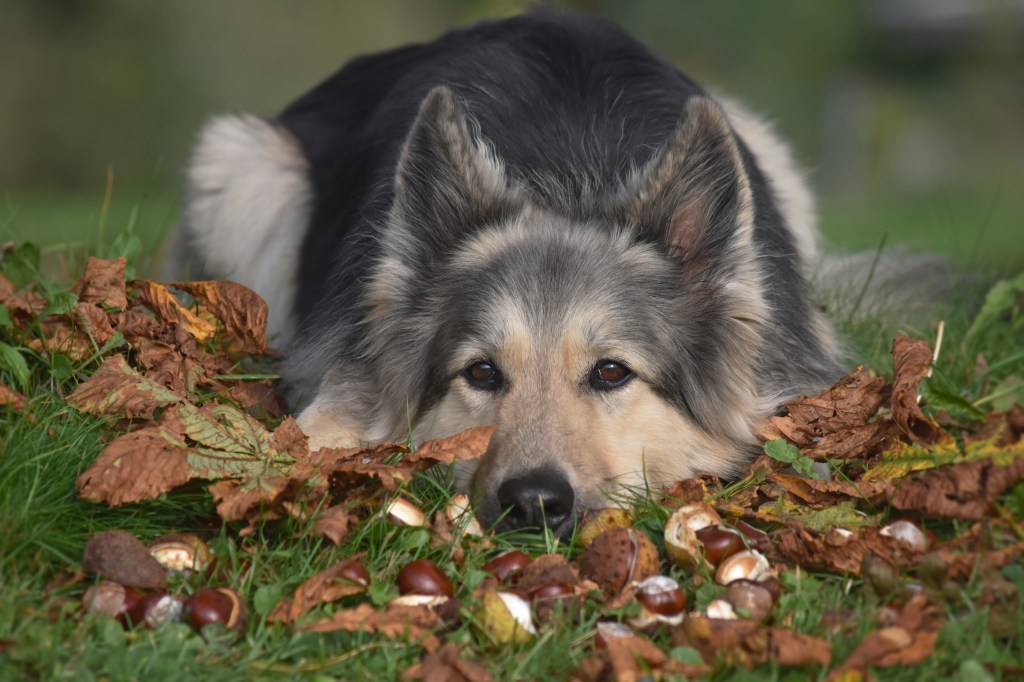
(178, 378)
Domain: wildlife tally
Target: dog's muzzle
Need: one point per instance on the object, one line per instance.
(543, 497)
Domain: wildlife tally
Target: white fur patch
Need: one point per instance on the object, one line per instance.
(788, 182)
(247, 211)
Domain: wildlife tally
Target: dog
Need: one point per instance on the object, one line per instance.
(533, 223)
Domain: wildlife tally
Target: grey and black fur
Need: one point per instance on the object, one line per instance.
(534, 223)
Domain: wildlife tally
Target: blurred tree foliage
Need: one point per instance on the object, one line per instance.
(884, 99)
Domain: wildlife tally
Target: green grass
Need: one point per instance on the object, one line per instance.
(44, 527)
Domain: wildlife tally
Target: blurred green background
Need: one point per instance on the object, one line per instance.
(909, 114)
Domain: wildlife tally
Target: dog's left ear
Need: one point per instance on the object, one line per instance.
(447, 180)
(695, 197)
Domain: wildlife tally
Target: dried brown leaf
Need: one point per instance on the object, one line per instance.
(11, 398)
(117, 389)
(102, 283)
(335, 523)
(910, 640)
(965, 490)
(324, 587)
(415, 623)
(834, 553)
(447, 665)
(23, 307)
(835, 423)
(468, 444)
(911, 362)
(169, 310)
(240, 310)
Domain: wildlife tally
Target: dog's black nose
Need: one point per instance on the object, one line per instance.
(542, 497)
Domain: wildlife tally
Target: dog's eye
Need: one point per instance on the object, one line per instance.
(483, 375)
(608, 374)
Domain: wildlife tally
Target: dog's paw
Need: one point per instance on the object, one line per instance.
(325, 428)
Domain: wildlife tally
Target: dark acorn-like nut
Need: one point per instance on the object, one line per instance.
(354, 572)
(753, 597)
(156, 608)
(552, 591)
(181, 553)
(719, 542)
(619, 557)
(507, 563)
(215, 605)
(424, 577)
(111, 599)
(662, 596)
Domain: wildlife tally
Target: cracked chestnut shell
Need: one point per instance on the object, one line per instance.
(619, 557)
(422, 576)
(110, 599)
(181, 553)
(681, 543)
(719, 542)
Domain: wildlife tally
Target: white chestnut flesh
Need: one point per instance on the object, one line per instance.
(745, 565)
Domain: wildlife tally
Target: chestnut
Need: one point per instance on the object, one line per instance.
(552, 591)
(597, 522)
(402, 512)
(609, 630)
(460, 515)
(215, 605)
(180, 553)
(618, 557)
(507, 563)
(721, 609)
(156, 608)
(753, 597)
(681, 541)
(719, 542)
(354, 572)
(663, 601)
(748, 564)
(506, 617)
(111, 599)
(423, 577)
(907, 533)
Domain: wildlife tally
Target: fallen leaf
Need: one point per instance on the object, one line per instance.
(102, 283)
(836, 553)
(631, 658)
(911, 362)
(415, 623)
(115, 389)
(240, 310)
(187, 442)
(11, 398)
(909, 641)
(447, 665)
(323, 587)
(335, 523)
(120, 556)
(169, 310)
(965, 490)
(835, 424)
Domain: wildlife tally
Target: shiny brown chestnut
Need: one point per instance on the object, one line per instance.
(215, 605)
(507, 563)
(719, 542)
(422, 576)
(752, 597)
(354, 572)
(111, 599)
(156, 608)
(662, 596)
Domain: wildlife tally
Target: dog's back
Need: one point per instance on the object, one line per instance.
(545, 119)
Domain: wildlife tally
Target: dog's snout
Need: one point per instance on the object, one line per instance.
(540, 498)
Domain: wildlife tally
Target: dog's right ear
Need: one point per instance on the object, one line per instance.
(447, 181)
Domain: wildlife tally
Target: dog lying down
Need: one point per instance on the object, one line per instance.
(533, 223)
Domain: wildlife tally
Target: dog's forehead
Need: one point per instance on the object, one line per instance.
(539, 283)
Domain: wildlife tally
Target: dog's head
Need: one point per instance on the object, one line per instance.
(610, 352)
